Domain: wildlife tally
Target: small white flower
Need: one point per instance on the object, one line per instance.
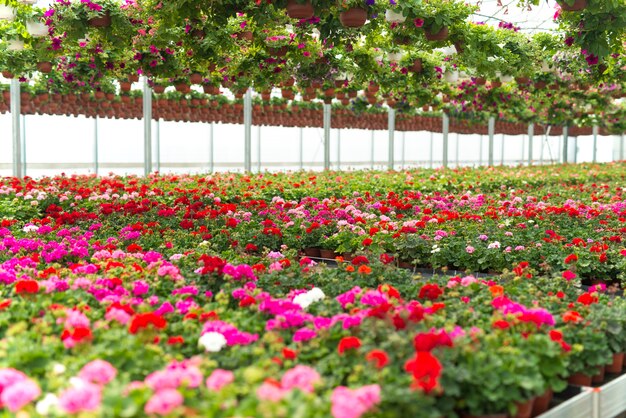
(30, 228)
(495, 244)
(317, 294)
(45, 406)
(58, 369)
(303, 300)
(212, 341)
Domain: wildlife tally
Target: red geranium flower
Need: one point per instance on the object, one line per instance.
(430, 291)
(426, 370)
(144, 320)
(348, 343)
(178, 339)
(379, 357)
(572, 316)
(26, 286)
(289, 354)
(501, 324)
(572, 258)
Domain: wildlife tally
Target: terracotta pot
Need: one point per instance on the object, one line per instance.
(522, 80)
(347, 256)
(577, 6)
(496, 83)
(540, 85)
(329, 92)
(196, 78)
(297, 10)
(312, 252)
(246, 36)
(353, 18)
(579, 379)
(525, 409)
(7, 74)
(99, 95)
(373, 88)
(103, 21)
(158, 89)
(480, 81)
(442, 35)
(330, 254)
(44, 67)
(133, 78)
(182, 87)
(125, 85)
(542, 402)
(617, 364)
(417, 66)
(599, 377)
(278, 52)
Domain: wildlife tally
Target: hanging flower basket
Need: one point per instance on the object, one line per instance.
(103, 21)
(353, 18)
(278, 52)
(296, 10)
(417, 66)
(44, 67)
(441, 35)
(577, 6)
(195, 78)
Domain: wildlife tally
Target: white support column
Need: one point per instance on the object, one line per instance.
(96, 158)
(403, 155)
(565, 143)
(522, 155)
(372, 138)
(531, 134)
(24, 164)
(211, 149)
(595, 143)
(491, 131)
(391, 126)
(258, 149)
(338, 149)
(446, 129)
(15, 118)
(147, 127)
(432, 143)
(158, 144)
(502, 150)
(301, 149)
(544, 138)
(456, 150)
(480, 152)
(621, 147)
(327, 114)
(247, 131)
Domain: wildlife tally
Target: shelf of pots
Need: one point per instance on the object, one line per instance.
(580, 406)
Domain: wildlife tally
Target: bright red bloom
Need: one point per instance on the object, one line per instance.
(360, 259)
(367, 242)
(587, 299)
(572, 316)
(426, 341)
(572, 258)
(78, 334)
(5, 304)
(250, 247)
(425, 369)
(430, 291)
(26, 286)
(603, 258)
(144, 320)
(378, 357)
(501, 324)
(386, 258)
(178, 339)
(348, 343)
(247, 301)
(391, 291)
(569, 275)
(289, 354)
(556, 335)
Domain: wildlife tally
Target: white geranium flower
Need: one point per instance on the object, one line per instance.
(47, 404)
(212, 342)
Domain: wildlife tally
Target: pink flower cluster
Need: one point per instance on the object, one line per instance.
(230, 332)
(300, 377)
(16, 389)
(353, 403)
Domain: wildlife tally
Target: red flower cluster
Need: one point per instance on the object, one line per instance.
(572, 258)
(378, 357)
(348, 343)
(144, 320)
(78, 335)
(557, 336)
(211, 265)
(26, 286)
(587, 299)
(425, 369)
(430, 291)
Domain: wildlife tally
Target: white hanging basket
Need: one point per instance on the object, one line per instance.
(395, 57)
(36, 29)
(394, 17)
(451, 76)
(6, 12)
(15, 45)
(506, 78)
(30, 2)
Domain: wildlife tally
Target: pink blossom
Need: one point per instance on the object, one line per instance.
(353, 403)
(83, 397)
(300, 377)
(164, 402)
(304, 334)
(219, 378)
(270, 392)
(19, 394)
(98, 371)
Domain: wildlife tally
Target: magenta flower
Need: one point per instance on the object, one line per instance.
(418, 22)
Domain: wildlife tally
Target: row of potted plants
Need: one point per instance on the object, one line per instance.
(203, 276)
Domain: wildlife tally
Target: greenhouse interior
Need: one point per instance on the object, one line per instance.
(313, 208)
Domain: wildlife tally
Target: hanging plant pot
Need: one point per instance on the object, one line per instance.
(495, 84)
(353, 18)
(246, 36)
(266, 96)
(540, 85)
(441, 35)
(6, 12)
(394, 17)
(417, 66)
(159, 89)
(103, 21)
(480, 81)
(522, 80)
(579, 379)
(15, 45)
(296, 10)
(182, 87)
(278, 52)
(36, 29)
(451, 76)
(345, 101)
(577, 6)
(373, 88)
(196, 78)
(352, 94)
(99, 95)
(7, 74)
(133, 78)
(329, 93)
(44, 67)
